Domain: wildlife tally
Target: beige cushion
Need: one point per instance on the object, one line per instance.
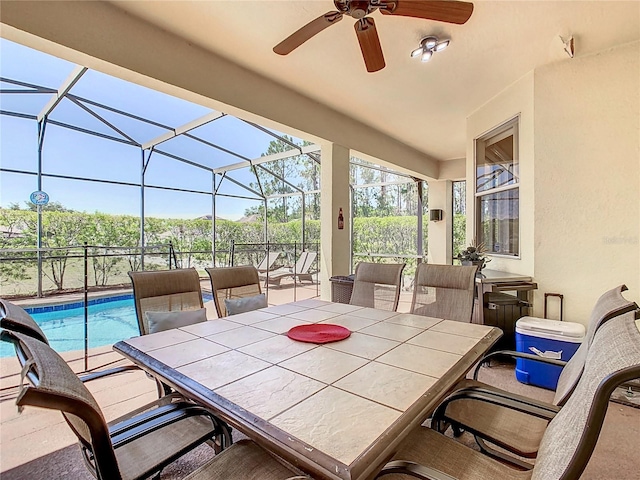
(246, 304)
(160, 321)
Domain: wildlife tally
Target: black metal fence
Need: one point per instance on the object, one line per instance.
(86, 269)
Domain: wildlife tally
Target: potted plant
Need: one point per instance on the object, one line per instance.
(474, 254)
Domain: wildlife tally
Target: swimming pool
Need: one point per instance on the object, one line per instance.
(110, 320)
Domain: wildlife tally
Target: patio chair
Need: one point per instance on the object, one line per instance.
(233, 283)
(134, 446)
(267, 262)
(510, 429)
(444, 291)
(377, 285)
(567, 442)
(299, 272)
(16, 319)
(165, 291)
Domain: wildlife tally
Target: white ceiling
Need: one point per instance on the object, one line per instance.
(422, 105)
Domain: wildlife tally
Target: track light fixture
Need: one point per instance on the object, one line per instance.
(428, 46)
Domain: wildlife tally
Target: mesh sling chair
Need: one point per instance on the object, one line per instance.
(232, 283)
(165, 291)
(510, 429)
(137, 445)
(569, 439)
(377, 285)
(444, 291)
(16, 319)
(169, 291)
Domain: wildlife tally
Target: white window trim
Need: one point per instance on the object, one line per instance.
(496, 134)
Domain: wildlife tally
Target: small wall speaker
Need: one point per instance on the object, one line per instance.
(435, 215)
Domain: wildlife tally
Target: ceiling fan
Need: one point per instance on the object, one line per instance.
(448, 11)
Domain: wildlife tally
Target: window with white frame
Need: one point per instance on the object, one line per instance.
(498, 190)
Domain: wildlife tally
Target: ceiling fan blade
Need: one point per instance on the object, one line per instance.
(312, 28)
(441, 10)
(370, 44)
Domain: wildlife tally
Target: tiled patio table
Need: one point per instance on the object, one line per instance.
(336, 410)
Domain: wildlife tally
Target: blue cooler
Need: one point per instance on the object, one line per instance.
(546, 338)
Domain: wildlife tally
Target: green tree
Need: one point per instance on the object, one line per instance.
(459, 217)
(299, 170)
(363, 201)
(13, 223)
(49, 207)
(104, 231)
(191, 238)
(60, 230)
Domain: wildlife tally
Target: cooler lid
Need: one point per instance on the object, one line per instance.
(543, 326)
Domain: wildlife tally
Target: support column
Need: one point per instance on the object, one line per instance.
(441, 233)
(335, 244)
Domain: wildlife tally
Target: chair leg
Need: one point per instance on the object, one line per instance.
(223, 438)
(441, 426)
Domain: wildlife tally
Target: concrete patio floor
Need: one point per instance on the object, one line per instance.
(38, 443)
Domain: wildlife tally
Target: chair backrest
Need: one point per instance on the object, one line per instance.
(268, 261)
(570, 438)
(165, 291)
(377, 285)
(304, 262)
(609, 305)
(55, 386)
(444, 291)
(232, 282)
(16, 319)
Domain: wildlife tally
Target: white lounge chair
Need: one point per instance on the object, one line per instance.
(268, 261)
(299, 272)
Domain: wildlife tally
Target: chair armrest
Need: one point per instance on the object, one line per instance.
(512, 396)
(104, 373)
(518, 403)
(135, 428)
(514, 354)
(414, 470)
(146, 413)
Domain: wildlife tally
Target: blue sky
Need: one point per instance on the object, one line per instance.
(67, 152)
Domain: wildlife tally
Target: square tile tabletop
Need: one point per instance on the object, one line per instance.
(338, 410)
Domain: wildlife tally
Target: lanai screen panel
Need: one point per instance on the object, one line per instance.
(76, 154)
(168, 172)
(18, 143)
(138, 100)
(99, 130)
(27, 102)
(236, 136)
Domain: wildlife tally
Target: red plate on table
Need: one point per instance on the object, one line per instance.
(318, 333)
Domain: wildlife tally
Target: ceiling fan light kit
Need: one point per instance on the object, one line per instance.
(442, 45)
(429, 46)
(447, 11)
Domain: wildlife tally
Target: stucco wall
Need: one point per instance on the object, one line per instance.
(587, 169)
(580, 142)
(515, 100)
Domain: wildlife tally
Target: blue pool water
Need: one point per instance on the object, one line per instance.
(110, 320)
